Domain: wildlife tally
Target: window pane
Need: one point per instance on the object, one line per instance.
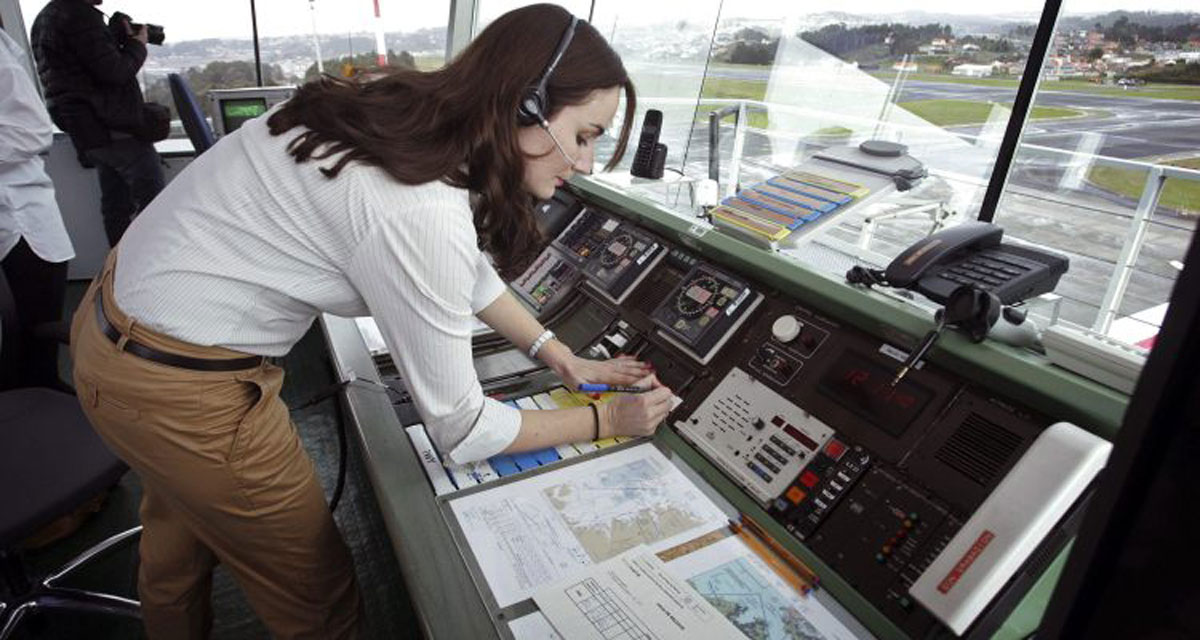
(345, 36)
(209, 43)
(664, 47)
(1123, 90)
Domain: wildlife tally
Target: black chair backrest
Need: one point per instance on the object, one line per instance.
(194, 123)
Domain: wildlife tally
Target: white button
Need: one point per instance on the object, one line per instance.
(786, 328)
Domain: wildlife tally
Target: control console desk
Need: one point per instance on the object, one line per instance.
(786, 415)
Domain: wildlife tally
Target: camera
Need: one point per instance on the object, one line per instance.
(154, 33)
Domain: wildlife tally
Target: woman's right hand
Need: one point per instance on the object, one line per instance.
(637, 414)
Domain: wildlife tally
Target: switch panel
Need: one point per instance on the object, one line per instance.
(758, 437)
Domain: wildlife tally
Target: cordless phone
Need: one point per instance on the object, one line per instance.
(645, 163)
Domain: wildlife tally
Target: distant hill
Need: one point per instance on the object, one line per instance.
(1148, 18)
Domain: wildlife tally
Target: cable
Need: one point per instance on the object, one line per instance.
(328, 391)
(342, 451)
(860, 275)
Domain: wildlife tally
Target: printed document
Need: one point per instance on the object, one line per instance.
(535, 531)
(631, 596)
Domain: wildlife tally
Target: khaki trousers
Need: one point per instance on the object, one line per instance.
(224, 477)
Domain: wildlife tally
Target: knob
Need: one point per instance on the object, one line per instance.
(759, 424)
(786, 328)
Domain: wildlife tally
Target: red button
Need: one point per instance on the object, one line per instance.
(809, 479)
(796, 495)
(834, 449)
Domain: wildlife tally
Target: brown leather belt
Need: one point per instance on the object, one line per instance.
(171, 359)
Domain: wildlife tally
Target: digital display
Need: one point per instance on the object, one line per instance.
(865, 388)
(235, 112)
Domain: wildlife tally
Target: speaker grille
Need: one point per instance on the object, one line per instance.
(653, 290)
(979, 449)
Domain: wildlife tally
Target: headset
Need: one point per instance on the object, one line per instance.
(535, 103)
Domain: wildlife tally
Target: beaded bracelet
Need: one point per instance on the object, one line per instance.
(537, 345)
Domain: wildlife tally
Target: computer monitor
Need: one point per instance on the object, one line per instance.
(236, 111)
(231, 108)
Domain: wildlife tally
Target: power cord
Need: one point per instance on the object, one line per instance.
(324, 393)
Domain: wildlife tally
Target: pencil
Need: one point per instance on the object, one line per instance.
(773, 561)
(796, 564)
(610, 388)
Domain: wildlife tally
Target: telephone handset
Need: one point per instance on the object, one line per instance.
(650, 155)
(971, 254)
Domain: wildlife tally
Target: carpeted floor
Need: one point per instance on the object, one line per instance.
(386, 607)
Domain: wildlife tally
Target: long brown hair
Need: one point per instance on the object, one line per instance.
(459, 124)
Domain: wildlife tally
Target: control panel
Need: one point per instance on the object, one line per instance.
(793, 405)
(705, 309)
(546, 281)
(614, 256)
(755, 434)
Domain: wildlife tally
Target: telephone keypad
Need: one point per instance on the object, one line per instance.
(984, 271)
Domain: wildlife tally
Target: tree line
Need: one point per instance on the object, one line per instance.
(1127, 32)
(895, 38)
(234, 74)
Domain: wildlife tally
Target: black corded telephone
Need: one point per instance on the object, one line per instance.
(971, 253)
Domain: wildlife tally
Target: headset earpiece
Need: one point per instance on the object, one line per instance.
(534, 106)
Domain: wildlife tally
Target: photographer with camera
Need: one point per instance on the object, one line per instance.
(89, 71)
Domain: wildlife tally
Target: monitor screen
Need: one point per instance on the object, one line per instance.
(236, 111)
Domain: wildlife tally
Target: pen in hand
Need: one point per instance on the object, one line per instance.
(610, 388)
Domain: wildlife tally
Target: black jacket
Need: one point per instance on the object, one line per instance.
(90, 78)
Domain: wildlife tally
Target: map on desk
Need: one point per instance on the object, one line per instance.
(532, 532)
(760, 603)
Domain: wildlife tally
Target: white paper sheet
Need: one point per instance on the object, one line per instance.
(534, 626)
(753, 597)
(535, 531)
(631, 596)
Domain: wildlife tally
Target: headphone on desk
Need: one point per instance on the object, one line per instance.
(535, 102)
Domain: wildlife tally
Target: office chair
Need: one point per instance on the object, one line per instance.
(51, 462)
(190, 113)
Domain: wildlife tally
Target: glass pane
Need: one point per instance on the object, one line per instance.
(664, 46)
(1122, 93)
(941, 84)
(349, 38)
(209, 43)
(787, 82)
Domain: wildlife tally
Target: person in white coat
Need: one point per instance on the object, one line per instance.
(33, 241)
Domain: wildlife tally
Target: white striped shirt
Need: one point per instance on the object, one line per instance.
(246, 247)
(28, 208)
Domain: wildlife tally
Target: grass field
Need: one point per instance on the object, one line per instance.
(949, 113)
(429, 63)
(1181, 195)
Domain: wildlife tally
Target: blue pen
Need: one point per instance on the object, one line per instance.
(609, 388)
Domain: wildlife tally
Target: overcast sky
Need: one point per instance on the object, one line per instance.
(190, 20)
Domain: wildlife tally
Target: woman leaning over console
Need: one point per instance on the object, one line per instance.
(352, 198)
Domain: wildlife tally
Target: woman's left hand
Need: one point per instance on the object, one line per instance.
(622, 370)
